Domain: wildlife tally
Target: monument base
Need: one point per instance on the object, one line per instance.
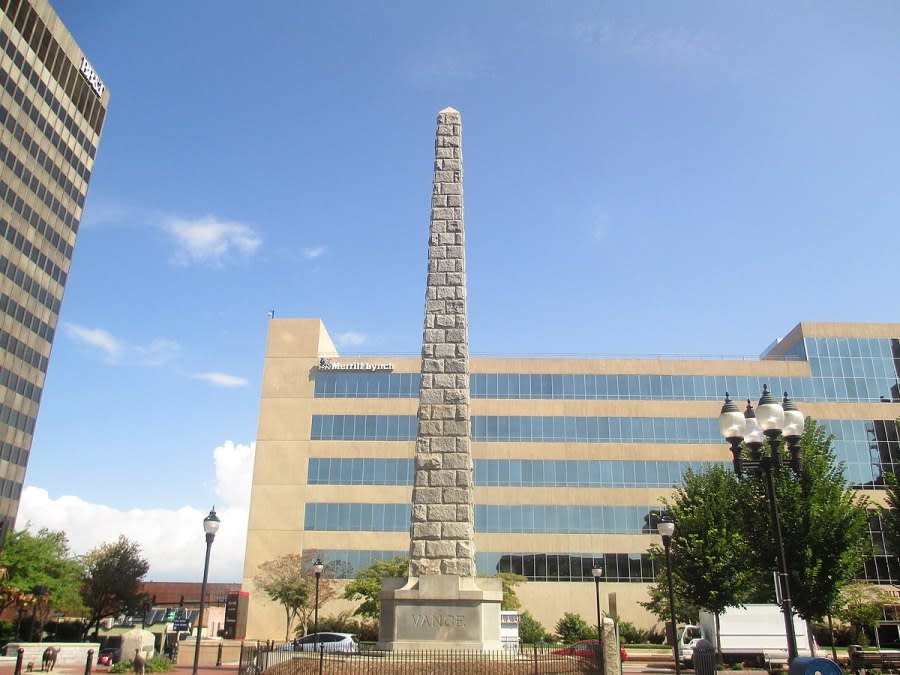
(440, 612)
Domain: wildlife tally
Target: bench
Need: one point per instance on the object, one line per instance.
(862, 660)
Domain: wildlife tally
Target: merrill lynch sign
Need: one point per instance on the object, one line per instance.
(325, 364)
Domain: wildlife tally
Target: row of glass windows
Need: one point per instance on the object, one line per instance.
(509, 518)
(526, 428)
(56, 172)
(556, 519)
(869, 448)
(26, 318)
(29, 285)
(33, 252)
(509, 472)
(19, 384)
(10, 488)
(357, 517)
(13, 453)
(882, 567)
(617, 567)
(32, 111)
(32, 183)
(853, 347)
(366, 385)
(44, 161)
(17, 420)
(14, 125)
(828, 386)
(12, 345)
(21, 207)
(573, 567)
(52, 55)
(866, 370)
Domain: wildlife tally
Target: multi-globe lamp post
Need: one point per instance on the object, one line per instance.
(597, 572)
(779, 423)
(210, 527)
(666, 528)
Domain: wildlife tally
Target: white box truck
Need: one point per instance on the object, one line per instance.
(754, 633)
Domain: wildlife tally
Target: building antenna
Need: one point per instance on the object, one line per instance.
(271, 313)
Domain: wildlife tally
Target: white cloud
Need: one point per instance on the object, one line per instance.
(96, 337)
(222, 379)
(159, 352)
(313, 252)
(350, 338)
(210, 239)
(169, 538)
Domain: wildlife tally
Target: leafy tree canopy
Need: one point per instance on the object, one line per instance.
(367, 584)
(41, 559)
(861, 604)
(290, 581)
(114, 573)
(824, 527)
(709, 551)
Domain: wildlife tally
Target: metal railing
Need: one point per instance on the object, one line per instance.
(257, 658)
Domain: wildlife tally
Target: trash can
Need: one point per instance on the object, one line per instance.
(812, 665)
(704, 658)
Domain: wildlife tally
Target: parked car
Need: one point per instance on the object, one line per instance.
(109, 656)
(328, 642)
(586, 649)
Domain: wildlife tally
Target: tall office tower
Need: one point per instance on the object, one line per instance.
(52, 107)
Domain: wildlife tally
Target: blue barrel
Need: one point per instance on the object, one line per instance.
(811, 665)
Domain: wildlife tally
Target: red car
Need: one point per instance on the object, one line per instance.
(586, 649)
(109, 656)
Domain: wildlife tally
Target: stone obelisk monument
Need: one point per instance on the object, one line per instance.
(441, 605)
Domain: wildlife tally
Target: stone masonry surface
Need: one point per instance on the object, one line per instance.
(442, 530)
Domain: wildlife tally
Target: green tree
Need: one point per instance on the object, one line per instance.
(44, 560)
(367, 584)
(861, 605)
(114, 573)
(530, 629)
(289, 580)
(658, 603)
(709, 550)
(573, 627)
(824, 527)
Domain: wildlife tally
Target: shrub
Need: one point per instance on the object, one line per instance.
(530, 629)
(843, 634)
(155, 664)
(572, 628)
(631, 635)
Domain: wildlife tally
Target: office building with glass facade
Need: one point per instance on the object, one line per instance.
(52, 108)
(570, 455)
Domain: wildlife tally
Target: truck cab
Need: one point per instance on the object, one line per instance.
(687, 638)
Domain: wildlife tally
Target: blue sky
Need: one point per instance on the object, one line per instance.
(640, 178)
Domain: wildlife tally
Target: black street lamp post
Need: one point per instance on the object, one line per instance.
(318, 567)
(777, 423)
(597, 572)
(210, 527)
(666, 528)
